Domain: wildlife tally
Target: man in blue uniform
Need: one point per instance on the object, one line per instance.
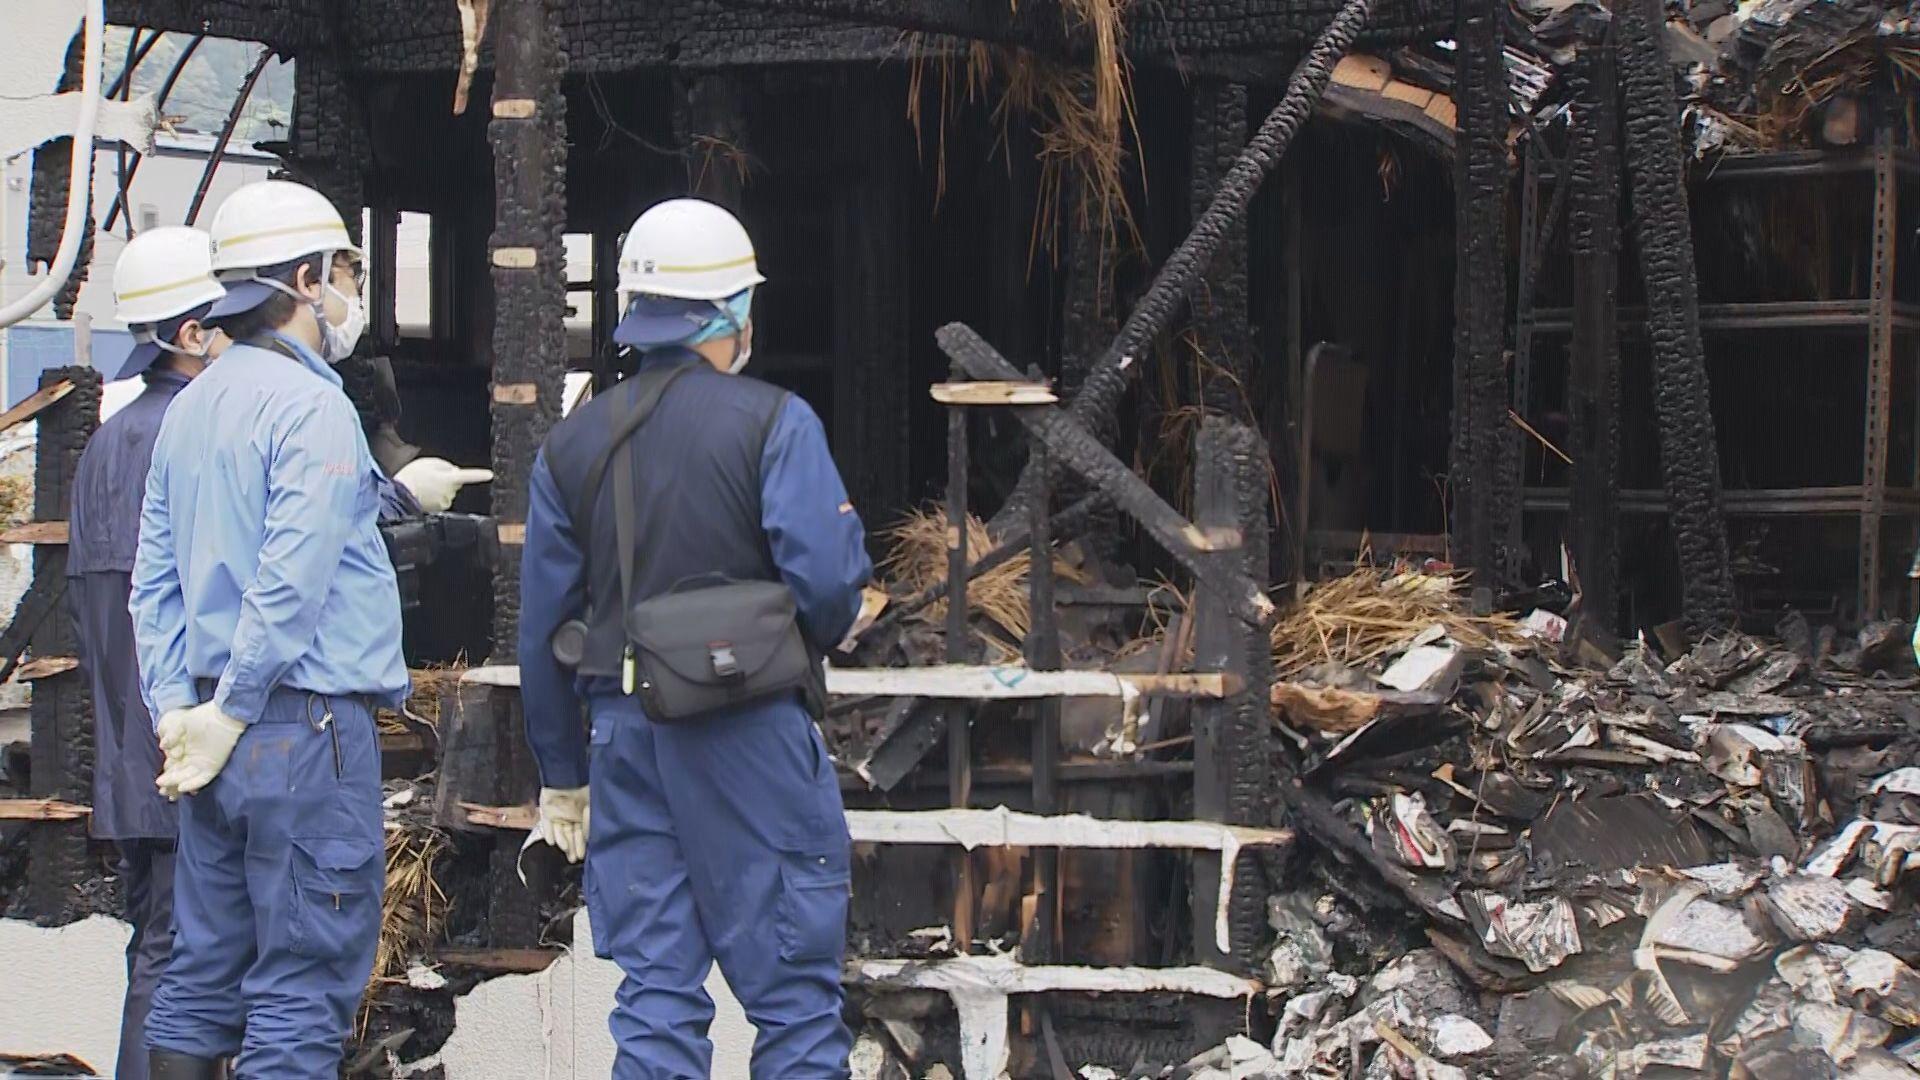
(267, 621)
(722, 837)
(163, 287)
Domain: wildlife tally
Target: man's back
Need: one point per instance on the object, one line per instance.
(268, 498)
(103, 532)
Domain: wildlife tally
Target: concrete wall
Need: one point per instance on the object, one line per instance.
(64, 988)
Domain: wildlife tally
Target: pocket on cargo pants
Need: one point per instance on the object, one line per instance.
(336, 894)
(815, 884)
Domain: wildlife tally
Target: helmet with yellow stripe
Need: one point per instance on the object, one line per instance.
(163, 281)
(687, 249)
(162, 273)
(274, 222)
(263, 232)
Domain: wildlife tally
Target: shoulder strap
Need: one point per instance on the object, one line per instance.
(649, 386)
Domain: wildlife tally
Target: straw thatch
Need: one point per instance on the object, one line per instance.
(1375, 612)
(412, 908)
(918, 560)
(1080, 115)
(430, 686)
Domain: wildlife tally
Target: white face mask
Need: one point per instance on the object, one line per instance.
(337, 342)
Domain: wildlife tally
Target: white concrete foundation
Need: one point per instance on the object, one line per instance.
(65, 987)
(554, 1024)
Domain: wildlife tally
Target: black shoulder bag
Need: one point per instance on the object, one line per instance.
(709, 642)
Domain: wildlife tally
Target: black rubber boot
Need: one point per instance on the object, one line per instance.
(170, 1065)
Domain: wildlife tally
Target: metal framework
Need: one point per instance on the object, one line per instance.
(1882, 318)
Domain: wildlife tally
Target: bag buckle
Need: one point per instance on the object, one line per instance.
(725, 664)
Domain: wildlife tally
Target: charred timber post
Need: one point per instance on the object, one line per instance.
(1689, 455)
(959, 713)
(1485, 491)
(527, 265)
(1108, 379)
(60, 712)
(1196, 549)
(1593, 167)
(528, 269)
(1219, 305)
(1232, 756)
(1040, 939)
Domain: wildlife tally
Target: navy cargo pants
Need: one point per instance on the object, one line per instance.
(719, 839)
(277, 894)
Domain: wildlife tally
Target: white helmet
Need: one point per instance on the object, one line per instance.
(164, 273)
(687, 249)
(273, 222)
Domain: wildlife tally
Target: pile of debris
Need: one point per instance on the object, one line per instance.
(1672, 866)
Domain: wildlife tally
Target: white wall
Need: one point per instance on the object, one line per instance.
(551, 1025)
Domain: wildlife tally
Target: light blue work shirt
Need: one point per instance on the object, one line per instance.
(260, 563)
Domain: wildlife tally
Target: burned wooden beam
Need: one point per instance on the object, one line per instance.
(1107, 381)
(61, 711)
(1593, 162)
(1485, 493)
(528, 267)
(1078, 450)
(1689, 454)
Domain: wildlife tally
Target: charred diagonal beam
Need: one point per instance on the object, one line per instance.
(1594, 382)
(1077, 449)
(1107, 382)
(1485, 494)
(1689, 455)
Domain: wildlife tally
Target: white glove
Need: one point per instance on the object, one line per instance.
(563, 820)
(435, 481)
(197, 743)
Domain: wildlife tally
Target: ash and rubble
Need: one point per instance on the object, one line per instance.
(1520, 859)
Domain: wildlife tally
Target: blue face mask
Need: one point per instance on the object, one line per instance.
(732, 320)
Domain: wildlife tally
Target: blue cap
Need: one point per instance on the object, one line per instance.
(139, 360)
(146, 352)
(653, 321)
(244, 295)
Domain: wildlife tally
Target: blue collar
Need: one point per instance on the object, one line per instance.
(669, 356)
(296, 350)
(164, 377)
